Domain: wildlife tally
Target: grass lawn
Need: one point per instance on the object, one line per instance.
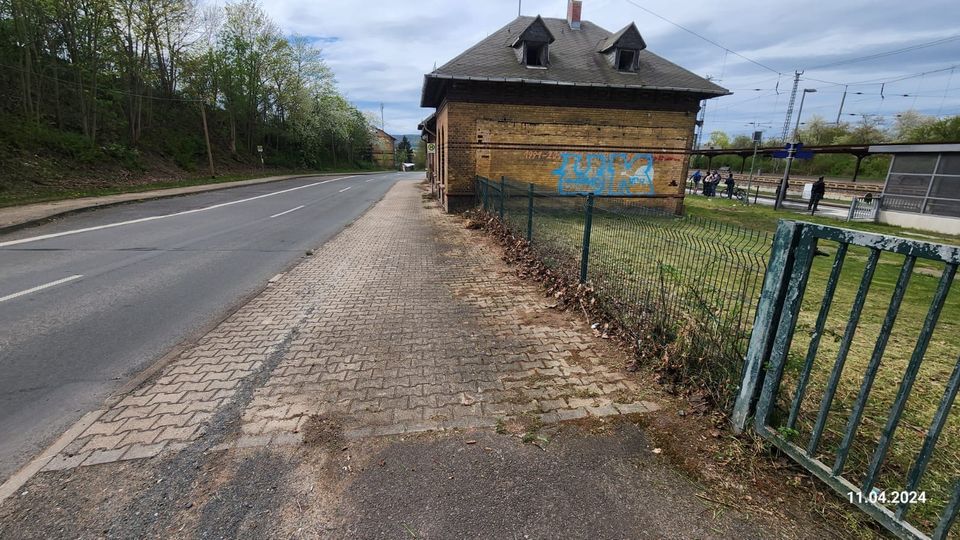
(710, 271)
(941, 356)
(765, 218)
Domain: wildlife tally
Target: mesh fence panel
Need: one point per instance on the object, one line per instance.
(685, 278)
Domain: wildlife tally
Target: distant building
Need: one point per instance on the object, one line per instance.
(383, 148)
(922, 189)
(565, 104)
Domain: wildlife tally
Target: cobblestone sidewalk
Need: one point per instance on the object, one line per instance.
(403, 322)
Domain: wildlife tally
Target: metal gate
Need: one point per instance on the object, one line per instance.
(768, 357)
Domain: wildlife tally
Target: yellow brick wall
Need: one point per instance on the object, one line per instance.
(559, 148)
(442, 151)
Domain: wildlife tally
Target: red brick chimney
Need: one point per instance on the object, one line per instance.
(573, 13)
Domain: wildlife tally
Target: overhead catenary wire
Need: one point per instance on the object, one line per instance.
(884, 92)
(918, 46)
(886, 80)
(704, 38)
(945, 90)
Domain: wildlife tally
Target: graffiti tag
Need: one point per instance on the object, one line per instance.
(614, 173)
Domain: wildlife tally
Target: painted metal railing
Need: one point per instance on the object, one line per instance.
(864, 208)
(769, 353)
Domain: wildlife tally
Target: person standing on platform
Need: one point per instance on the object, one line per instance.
(816, 194)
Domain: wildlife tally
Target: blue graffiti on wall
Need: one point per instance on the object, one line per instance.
(615, 173)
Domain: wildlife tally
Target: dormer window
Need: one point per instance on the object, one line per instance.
(536, 54)
(626, 60)
(532, 45)
(622, 50)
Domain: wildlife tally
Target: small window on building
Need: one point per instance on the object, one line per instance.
(536, 55)
(626, 60)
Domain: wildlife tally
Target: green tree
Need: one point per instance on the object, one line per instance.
(943, 130)
(420, 155)
(118, 71)
(908, 122)
(869, 129)
(742, 141)
(818, 132)
(404, 151)
(718, 139)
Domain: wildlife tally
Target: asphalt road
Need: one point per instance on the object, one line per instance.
(90, 300)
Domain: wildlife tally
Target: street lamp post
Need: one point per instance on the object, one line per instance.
(782, 192)
(756, 144)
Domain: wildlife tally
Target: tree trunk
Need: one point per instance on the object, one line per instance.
(56, 92)
(233, 133)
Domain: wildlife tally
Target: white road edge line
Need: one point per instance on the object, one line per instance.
(40, 287)
(346, 188)
(153, 218)
(288, 211)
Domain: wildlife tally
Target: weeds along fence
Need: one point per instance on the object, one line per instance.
(689, 284)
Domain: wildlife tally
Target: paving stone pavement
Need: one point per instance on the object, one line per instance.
(403, 322)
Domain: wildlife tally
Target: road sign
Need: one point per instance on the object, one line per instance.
(780, 154)
(431, 148)
(260, 148)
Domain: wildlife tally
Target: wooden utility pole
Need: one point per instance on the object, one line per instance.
(206, 136)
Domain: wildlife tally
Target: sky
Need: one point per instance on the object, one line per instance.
(380, 50)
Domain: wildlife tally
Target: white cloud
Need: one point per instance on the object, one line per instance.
(380, 50)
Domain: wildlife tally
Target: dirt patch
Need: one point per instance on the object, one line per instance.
(60, 504)
(745, 472)
(324, 431)
(247, 504)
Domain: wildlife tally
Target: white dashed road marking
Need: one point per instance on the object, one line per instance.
(288, 211)
(40, 287)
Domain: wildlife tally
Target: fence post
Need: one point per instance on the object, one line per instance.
(775, 285)
(503, 194)
(486, 195)
(587, 227)
(530, 213)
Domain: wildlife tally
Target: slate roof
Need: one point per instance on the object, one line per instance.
(536, 31)
(633, 39)
(575, 60)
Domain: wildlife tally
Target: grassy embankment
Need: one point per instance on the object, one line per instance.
(40, 164)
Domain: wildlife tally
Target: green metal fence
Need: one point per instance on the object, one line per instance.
(891, 360)
(848, 360)
(676, 279)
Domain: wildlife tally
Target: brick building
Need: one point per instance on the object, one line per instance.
(567, 105)
(382, 150)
